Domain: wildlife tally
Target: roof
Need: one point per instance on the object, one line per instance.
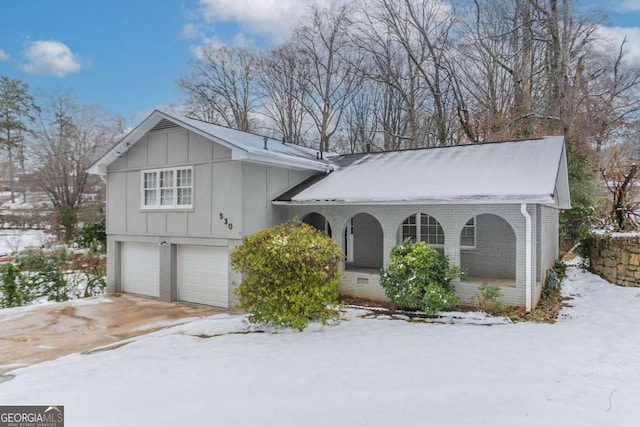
(244, 146)
(533, 170)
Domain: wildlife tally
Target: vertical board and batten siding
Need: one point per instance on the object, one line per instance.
(217, 188)
(260, 185)
(239, 192)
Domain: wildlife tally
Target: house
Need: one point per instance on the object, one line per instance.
(181, 194)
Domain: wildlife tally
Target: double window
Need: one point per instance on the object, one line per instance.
(423, 228)
(170, 188)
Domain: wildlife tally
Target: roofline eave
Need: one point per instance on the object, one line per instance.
(548, 201)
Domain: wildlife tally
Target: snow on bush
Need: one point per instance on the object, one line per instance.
(419, 277)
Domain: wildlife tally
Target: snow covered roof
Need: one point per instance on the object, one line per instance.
(244, 146)
(532, 171)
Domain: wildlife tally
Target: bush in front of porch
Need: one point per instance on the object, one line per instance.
(420, 278)
(290, 275)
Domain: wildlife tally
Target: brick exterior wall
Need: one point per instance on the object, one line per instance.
(452, 218)
(548, 244)
(495, 251)
(361, 284)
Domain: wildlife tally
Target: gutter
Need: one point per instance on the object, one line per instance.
(528, 272)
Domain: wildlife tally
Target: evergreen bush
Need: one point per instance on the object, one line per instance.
(289, 275)
(419, 277)
(92, 235)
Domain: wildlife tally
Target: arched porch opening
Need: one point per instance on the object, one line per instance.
(363, 243)
(488, 251)
(318, 221)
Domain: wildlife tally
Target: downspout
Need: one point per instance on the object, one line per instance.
(527, 220)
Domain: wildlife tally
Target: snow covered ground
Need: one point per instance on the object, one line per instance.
(14, 240)
(582, 371)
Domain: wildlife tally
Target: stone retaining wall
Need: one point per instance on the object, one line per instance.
(617, 259)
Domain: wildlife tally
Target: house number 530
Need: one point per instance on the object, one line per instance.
(226, 221)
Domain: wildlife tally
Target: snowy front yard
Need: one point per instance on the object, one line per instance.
(582, 371)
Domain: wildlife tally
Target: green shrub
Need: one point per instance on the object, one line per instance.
(14, 289)
(50, 279)
(415, 268)
(92, 235)
(437, 298)
(487, 298)
(560, 268)
(290, 275)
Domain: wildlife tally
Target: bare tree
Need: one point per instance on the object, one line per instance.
(70, 138)
(422, 28)
(611, 99)
(329, 80)
(621, 177)
(221, 88)
(389, 70)
(283, 93)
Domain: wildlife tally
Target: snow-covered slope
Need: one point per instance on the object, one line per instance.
(582, 371)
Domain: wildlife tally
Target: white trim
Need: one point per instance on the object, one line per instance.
(475, 234)
(547, 202)
(158, 189)
(418, 227)
(348, 240)
(528, 256)
(237, 153)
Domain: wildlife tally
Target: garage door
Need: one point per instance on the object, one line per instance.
(203, 275)
(140, 268)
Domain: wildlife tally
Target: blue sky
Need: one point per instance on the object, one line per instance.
(125, 55)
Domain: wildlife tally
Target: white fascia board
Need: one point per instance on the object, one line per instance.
(562, 181)
(288, 162)
(100, 166)
(546, 201)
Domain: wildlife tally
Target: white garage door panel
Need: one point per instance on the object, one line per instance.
(203, 275)
(140, 268)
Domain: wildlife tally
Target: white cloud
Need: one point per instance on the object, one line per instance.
(4, 56)
(611, 37)
(51, 58)
(630, 5)
(191, 31)
(271, 18)
(206, 41)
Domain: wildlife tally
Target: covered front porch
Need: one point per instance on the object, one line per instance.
(487, 241)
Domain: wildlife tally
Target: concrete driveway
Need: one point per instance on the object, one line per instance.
(30, 335)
